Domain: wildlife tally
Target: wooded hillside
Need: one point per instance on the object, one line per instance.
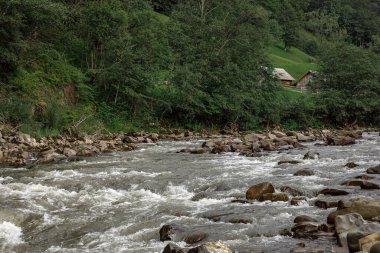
(122, 65)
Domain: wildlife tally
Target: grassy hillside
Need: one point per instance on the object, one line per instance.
(296, 62)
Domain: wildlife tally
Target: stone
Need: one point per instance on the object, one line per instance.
(353, 183)
(351, 165)
(367, 212)
(375, 248)
(340, 140)
(325, 204)
(305, 229)
(199, 151)
(266, 145)
(374, 170)
(154, 137)
(256, 191)
(369, 242)
(291, 191)
(288, 161)
(129, 139)
(211, 247)
(69, 152)
(172, 248)
(353, 241)
(296, 201)
(208, 144)
(279, 134)
(166, 232)
(274, 197)
(369, 186)
(364, 177)
(303, 218)
(304, 172)
(303, 138)
(333, 192)
(251, 137)
(311, 155)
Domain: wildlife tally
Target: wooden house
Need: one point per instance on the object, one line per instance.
(305, 80)
(284, 77)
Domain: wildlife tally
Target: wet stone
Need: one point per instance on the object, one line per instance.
(326, 204)
(351, 165)
(374, 170)
(333, 192)
(304, 172)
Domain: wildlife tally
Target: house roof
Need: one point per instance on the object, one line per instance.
(282, 74)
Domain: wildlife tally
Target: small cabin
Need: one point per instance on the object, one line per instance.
(306, 79)
(284, 77)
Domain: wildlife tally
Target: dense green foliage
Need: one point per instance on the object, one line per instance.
(69, 64)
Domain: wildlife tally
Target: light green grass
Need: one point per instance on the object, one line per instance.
(294, 61)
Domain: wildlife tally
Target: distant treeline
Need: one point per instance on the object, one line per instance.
(123, 63)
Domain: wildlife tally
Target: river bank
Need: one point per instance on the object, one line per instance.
(19, 149)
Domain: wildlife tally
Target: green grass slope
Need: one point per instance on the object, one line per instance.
(294, 61)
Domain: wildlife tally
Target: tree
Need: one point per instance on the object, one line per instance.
(348, 85)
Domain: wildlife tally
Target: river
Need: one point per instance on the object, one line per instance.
(118, 202)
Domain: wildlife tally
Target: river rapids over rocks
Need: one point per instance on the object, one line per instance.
(118, 202)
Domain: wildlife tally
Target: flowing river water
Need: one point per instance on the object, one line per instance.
(118, 202)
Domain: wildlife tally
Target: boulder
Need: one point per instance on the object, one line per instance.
(352, 222)
(172, 248)
(303, 138)
(364, 177)
(291, 191)
(154, 137)
(333, 192)
(325, 204)
(369, 186)
(266, 145)
(288, 161)
(351, 165)
(274, 197)
(211, 247)
(296, 201)
(303, 218)
(311, 155)
(256, 191)
(69, 152)
(367, 212)
(279, 134)
(251, 137)
(304, 172)
(374, 170)
(306, 229)
(353, 241)
(370, 243)
(208, 144)
(375, 248)
(339, 140)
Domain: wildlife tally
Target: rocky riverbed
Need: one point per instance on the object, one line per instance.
(315, 191)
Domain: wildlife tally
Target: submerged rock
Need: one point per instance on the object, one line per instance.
(374, 170)
(311, 155)
(304, 172)
(351, 165)
(333, 192)
(325, 204)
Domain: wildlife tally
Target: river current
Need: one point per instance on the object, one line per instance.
(118, 202)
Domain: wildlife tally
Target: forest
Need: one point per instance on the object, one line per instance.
(126, 65)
